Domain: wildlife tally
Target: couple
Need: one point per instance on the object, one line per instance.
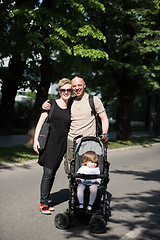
(66, 124)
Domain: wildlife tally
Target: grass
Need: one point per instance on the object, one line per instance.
(16, 154)
(23, 153)
(135, 141)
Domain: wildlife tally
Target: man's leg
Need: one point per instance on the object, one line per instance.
(69, 156)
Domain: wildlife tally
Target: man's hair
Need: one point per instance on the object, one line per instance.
(63, 81)
(90, 156)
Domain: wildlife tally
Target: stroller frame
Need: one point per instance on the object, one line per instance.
(99, 216)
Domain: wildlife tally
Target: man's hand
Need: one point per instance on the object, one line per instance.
(104, 137)
(46, 105)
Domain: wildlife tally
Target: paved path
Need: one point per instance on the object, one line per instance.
(12, 140)
(134, 185)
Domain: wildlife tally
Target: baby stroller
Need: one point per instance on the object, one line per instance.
(100, 213)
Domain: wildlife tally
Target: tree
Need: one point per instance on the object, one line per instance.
(12, 44)
(60, 34)
(47, 35)
(130, 28)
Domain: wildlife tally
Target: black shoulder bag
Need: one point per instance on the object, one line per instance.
(44, 132)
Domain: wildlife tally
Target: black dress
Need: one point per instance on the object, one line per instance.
(56, 145)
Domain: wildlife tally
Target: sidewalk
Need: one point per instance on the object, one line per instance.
(12, 140)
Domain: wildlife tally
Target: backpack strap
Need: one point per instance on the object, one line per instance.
(70, 101)
(91, 102)
(98, 120)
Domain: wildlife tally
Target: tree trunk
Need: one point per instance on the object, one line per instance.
(10, 84)
(157, 115)
(127, 91)
(123, 118)
(46, 77)
(42, 94)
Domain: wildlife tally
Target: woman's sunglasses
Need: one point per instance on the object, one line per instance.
(66, 90)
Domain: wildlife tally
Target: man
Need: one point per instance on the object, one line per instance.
(82, 121)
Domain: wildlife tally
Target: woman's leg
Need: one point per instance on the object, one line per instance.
(80, 194)
(46, 185)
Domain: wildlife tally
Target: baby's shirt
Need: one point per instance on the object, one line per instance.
(89, 171)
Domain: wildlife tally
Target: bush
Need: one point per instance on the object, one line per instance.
(22, 114)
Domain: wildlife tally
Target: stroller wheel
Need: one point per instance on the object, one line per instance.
(61, 220)
(97, 224)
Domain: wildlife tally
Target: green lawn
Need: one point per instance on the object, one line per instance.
(24, 153)
(136, 141)
(16, 154)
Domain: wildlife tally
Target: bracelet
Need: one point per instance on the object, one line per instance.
(105, 134)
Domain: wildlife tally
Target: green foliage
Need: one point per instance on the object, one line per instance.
(121, 38)
(89, 30)
(46, 33)
(93, 54)
(132, 36)
(31, 96)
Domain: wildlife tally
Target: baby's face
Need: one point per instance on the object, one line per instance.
(91, 164)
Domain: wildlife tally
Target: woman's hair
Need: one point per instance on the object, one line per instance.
(90, 156)
(63, 81)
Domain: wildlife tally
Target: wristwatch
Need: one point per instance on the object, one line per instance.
(105, 134)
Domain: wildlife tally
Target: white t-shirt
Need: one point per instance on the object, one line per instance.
(89, 171)
(82, 121)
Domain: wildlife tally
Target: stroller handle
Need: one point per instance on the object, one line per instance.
(74, 144)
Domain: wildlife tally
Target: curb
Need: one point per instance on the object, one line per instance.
(21, 164)
(132, 147)
(29, 162)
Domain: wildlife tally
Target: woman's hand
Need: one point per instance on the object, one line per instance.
(36, 146)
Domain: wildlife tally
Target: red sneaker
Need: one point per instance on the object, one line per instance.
(44, 209)
(51, 208)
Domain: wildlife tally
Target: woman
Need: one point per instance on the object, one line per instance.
(55, 148)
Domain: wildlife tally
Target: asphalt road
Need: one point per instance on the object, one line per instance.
(135, 205)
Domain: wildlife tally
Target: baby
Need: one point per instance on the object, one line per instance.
(89, 166)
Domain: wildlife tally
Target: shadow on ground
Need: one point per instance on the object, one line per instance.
(148, 208)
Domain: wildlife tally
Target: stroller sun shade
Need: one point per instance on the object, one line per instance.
(89, 144)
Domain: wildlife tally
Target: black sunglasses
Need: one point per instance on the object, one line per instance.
(66, 90)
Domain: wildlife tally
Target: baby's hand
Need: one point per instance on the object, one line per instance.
(96, 182)
(78, 181)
